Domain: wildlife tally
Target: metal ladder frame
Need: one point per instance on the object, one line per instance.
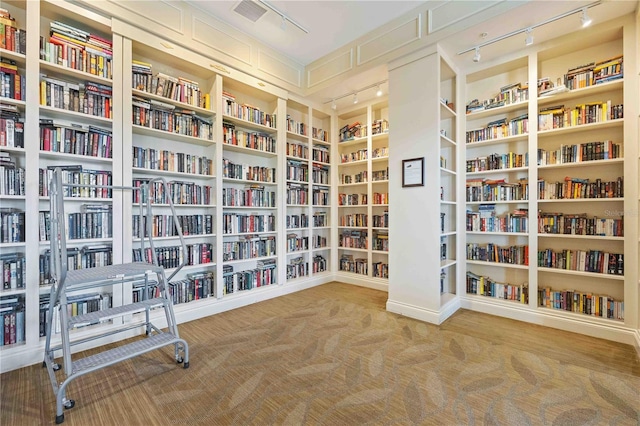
(120, 274)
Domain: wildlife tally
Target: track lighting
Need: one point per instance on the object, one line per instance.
(355, 98)
(283, 24)
(284, 17)
(529, 40)
(476, 57)
(586, 20)
(334, 106)
(379, 91)
(354, 94)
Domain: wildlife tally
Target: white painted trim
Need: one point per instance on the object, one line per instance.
(364, 281)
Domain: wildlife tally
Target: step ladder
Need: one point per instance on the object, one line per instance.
(65, 282)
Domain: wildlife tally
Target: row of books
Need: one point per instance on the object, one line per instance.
(87, 183)
(85, 97)
(351, 238)
(252, 140)
(501, 128)
(12, 83)
(320, 174)
(380, 221)
(585, 303)
(12, 178)
(264, 274)
(297, 267)
(295, 221)
(165, 117)
(579, 224)
(352, 131)
(11, 126)
(509, 94)
(490, 252)
(355, 219)
(232, 170)
(319, 241)
(74, 138)
(12, 320)
(235, 223)
(12, 225)
(297, 243)
(297, 194)
(297, 170)
(12, 37)
(173, 256)
(165, 225)
(588, 151)
(81, 226)
(594, 73)
(597, 261)
(179, 192)
(352, 199)
(558, 117)
(321, 154)
(78, 304)
(179, 89)
(359, 155)
(478, 190)
(155, 159)
(14, 271)
(249, 247)
(253, 196)
(89, 256)
(360, 177)
(485, 220)
(296, 127)
(246, 112)
(497, 162)
(380, 241)
(298, 150)
(486, 286)
(356, 266)
(580, 188)
(380, 270)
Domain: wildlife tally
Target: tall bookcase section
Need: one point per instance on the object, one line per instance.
(378, 210)
(448, 182)
(250, 197)
(497, 186)
(321, 196)
(298, 175)
(583, 140)
(79, 102)
(14, 169)
(352, 201)
(173, 136)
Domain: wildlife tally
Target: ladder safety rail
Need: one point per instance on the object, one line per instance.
(64, 280)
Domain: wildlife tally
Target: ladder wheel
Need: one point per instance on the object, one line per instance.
(186, 364)
(69, 404)
(56, 367)
(44, 364)
(60, 419)
(179, 360)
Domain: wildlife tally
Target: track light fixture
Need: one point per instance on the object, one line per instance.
(529, 40)
(585, 19)
(476, 57)
(284, 17)
(354, 94)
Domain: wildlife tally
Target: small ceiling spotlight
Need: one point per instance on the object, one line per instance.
(379, 91)
(333, 105)
(586, 20)
(476, 57)
(355, 98)
(529, 40)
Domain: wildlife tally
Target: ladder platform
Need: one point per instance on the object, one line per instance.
(109, 273)
(121, 353)
(97, 317)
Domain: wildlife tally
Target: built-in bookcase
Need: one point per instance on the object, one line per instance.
(14, 166)
(363, 192)
(547, 184)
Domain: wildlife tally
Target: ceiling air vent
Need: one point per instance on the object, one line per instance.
(250, 10)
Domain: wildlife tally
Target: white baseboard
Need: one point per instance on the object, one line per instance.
(362, 281)
(422, 314)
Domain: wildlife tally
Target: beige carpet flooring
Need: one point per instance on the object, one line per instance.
(332, 355)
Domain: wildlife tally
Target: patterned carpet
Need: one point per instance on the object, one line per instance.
(333, 356)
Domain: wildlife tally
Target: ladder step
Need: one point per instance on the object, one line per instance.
(107, 314)
(109, 273)
(124, 352)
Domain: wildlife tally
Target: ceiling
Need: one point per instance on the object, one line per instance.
(333, 24)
